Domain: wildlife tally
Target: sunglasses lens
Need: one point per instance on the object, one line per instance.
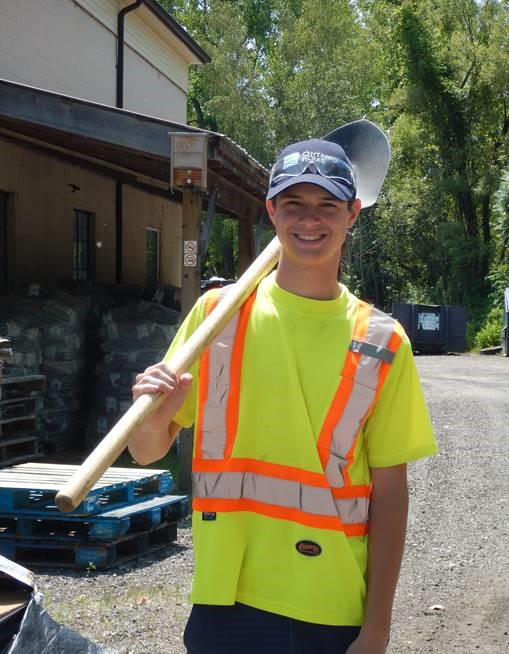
(297, 164)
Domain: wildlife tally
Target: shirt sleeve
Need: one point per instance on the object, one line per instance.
(399, 428)
(185, 416)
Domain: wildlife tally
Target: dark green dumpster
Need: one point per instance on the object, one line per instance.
(433, 328)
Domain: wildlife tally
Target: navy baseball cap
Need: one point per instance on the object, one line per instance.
(350, 162)
(315, 161)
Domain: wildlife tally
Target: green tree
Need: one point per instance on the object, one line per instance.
(447, 113)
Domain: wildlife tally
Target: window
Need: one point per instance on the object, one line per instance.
(3, 242)
(83, 242)
(152, 256)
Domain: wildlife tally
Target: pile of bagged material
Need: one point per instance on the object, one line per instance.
(18, 322)
(63, 319)
(5, 353)
(47, 331)
(134, 336)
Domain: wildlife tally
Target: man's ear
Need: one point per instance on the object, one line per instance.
(354, 212)
(271, 210)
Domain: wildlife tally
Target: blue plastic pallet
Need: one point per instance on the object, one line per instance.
(106, 526)
(90, 555)
(30, 486)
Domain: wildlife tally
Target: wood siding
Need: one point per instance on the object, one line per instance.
(44, 197)
(70, 47)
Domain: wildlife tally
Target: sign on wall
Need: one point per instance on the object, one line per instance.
(190, 254)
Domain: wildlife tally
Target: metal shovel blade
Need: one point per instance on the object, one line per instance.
(369, 151)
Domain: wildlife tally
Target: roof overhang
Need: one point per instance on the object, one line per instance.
(196, 51)
(126, 145)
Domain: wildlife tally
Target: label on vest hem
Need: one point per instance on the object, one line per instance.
(308, 548)
(207, 515)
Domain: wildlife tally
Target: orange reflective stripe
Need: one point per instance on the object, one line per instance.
(233, 402)
(203, 378)
(274, 511)
(392, 345)
(271, 510)
(345, 386)
(356, 530)
(262, 468)
(351, 492)
(203, 389)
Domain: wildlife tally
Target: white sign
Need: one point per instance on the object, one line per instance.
(190, 247)
(429, 322)
(190, 260)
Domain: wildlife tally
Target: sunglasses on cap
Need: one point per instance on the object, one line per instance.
(298, 163)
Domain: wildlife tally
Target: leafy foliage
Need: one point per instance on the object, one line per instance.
(489, 334)
(433, 73)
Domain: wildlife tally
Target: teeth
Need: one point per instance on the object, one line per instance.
(308, 237)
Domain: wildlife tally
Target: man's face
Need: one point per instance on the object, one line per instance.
(311, 223)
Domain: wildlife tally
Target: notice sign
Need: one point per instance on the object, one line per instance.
(429, 322)
(190, 254)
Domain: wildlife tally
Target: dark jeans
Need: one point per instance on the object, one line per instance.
(241, 629)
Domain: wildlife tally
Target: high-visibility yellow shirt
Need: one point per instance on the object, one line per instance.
(294, 352)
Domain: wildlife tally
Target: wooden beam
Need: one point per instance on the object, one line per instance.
(191, 222)
(246, 242)
(231, 199)
(207, 223)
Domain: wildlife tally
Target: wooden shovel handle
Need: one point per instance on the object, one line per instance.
(113, 444)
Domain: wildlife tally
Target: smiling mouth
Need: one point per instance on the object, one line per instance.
(309, 237)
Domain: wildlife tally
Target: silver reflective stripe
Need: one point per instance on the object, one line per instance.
(214, 413)
(365, 382)
(343, 434)
(379, 332)
(283, 493)
(353, 511)
(370, 350)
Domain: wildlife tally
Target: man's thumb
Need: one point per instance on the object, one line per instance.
(185, 380)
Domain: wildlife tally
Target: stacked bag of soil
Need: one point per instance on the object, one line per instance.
(5, 353)
(19, 323)
(47, 331)
(134, 336)
(63, 319)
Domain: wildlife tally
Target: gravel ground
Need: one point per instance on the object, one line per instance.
(451, 597)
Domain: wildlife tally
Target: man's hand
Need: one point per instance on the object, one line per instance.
(387, 525)
(154, 437)
(160, 379)
(366, 645)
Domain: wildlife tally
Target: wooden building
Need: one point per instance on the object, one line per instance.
(91, 92)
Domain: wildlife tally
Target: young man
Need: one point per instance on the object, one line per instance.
(306, 408)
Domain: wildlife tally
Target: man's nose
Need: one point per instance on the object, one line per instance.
(310, 214)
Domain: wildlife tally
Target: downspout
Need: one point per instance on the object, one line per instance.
(120, 50)
(119, 204)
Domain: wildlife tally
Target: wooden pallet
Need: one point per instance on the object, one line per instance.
(19, 403)
(14, 450)
(18, 407)
(107, 526)
(90, 555)
(34, 485)
(18, 386)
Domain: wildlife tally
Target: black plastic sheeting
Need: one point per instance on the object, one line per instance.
(40, 634)
(28, 629)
